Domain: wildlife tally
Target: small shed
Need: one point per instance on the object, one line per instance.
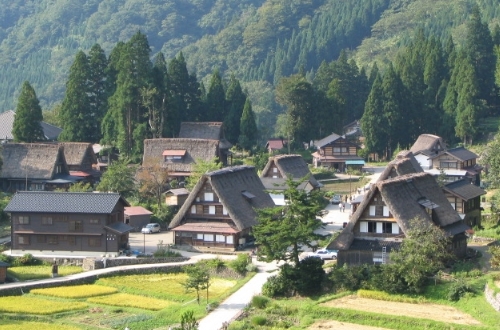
(137, 217)
(3, 271)
(176, 197)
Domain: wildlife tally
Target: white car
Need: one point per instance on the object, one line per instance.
(324, 254)
(151, 228)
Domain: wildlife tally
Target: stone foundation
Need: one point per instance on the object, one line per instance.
(492, 298)
(93, 263)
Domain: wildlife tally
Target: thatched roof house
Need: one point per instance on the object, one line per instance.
(428, 144)
(403, 163)
(179, 155)
(50, 132)
(220, 210)
(79, 156)
(281, 167)
(34, 166)
(386, 212)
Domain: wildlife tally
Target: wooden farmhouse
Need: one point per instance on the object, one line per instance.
(383, 219)
(220, 210)
(137, 217)
(281, 167)
(34, 166)
(274, 145)
(176, 197)
(208, 131)
(336, 152)
(465, 198)
(179, 155)
(80, 224)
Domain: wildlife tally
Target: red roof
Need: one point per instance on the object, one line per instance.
(136, 210)
(276, 144)
(207, 227)
(174, 153)
(79, 173)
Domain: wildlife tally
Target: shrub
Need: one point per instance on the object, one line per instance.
(215, 263)
(351, 278)
(240, 263)
(458, 289)
(26, 260)
(275, 286)
(309, 276)
(260, 302)
(259, 320)
(251, 268)
(6, 258)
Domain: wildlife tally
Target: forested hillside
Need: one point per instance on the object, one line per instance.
(258, 42)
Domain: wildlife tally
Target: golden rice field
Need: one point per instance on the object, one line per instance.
(76, 291)
(32, 305)
(36, 325)
(166, 286)
(131, 300)
(24, 273)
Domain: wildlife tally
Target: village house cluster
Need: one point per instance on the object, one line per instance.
(220, 211)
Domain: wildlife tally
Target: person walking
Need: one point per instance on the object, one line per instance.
(340, 206)
(55, 270)
(343, 207)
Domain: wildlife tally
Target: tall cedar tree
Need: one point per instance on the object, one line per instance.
(27, 127)
(216, 99)
(177, 104)
(283, 231)
(157, 112)
(297, 95)
(235, 100)
(479, 48)
(374, 122)
(248, 128)
(99, 86)
(76, 117)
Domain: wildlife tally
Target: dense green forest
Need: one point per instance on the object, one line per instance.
(255, 42)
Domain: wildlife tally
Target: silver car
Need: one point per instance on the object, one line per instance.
(324, 254)
(151, 228)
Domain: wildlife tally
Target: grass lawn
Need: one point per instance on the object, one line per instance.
(149, 301)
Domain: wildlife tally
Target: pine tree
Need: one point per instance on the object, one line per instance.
(235, 99)
(26, 127)
(76, 116)
(178, 90)
(248, 128)
(157, 96)
(99, 92)
(216, 99)
(374, 123)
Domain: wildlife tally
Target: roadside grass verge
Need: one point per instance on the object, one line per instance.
(131, 300)
(23, 325)
(25, 273)
(76, 291)
(32, 305)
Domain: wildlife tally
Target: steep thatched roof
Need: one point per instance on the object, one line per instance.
(230, 184)
(32, 160)
(50, 132)
(404, 196)
(290, 165)
(204, 130)
(428, 144)
(195, 149)
(75, 152)
(403, 163)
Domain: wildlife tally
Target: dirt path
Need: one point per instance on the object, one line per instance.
(441, 313)
(326, 325)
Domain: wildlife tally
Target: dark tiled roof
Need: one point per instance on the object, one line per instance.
(462, 154)
(464, 189)
(374, 245)
(64, 202)
(51, 132)
(456, 228)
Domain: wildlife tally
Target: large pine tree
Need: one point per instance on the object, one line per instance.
(76, 117)
(374, 123)
(248, 128)
(216, 99)
(235, 99)
(27, 127)
(99, 89)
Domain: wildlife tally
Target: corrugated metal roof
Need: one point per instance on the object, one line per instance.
(64, 202)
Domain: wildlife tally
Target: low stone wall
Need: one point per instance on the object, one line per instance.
(492, 298)
(93, 263)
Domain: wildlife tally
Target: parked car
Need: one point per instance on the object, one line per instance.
(324, 254)
(151, 228)
(335, 199)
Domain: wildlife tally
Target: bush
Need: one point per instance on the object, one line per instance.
(309, 276)
(259, 320)
(26, 260)
(251, 268)
(215, 263)
(351, 278)
(260, 302)
(6, 258)
(240, 263)
(458, 289)
(276, 286)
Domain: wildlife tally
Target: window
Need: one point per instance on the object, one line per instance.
(209, 197)
(372, 226)
(46, 220)
(208, 237)
(94, 241)
(220, 238)
(363, 226)
(23, 240)
(52, 240)
(71, 240)
(199, 236)
(445, 164)
(94, 221)
(395, 228)
(224, 210)
(23, 220)
(386, 211)
(211, 209)
(41, 239)
(275, 170)
(387, 227)
(75, 226)
(372, 210)
(193, 209)
(379, 228)
(229, 240)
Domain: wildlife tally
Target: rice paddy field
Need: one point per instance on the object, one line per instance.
(152, 301)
